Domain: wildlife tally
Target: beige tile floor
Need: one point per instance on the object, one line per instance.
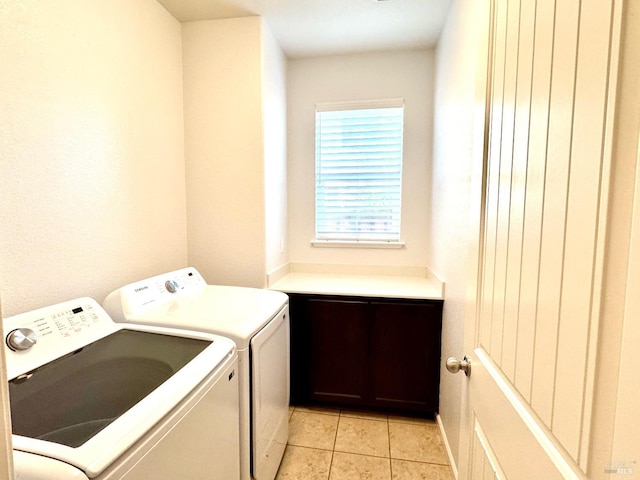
(327, 444)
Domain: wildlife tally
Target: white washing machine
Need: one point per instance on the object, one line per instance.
(91, 398)
(256, 320)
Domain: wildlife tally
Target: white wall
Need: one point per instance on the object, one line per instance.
(234, 82)
(91, 148)
(223, 149)
(407, 74)
(453, 207)
(274, 92)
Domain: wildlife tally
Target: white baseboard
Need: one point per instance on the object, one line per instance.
(454, 467)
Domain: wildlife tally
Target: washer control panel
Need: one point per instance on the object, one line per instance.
(150, 293)
(36, 337)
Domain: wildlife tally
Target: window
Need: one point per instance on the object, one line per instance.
(359, 173)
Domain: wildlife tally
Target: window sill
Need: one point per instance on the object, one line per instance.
(355, 244)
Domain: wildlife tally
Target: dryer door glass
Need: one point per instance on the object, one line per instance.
(72, 398)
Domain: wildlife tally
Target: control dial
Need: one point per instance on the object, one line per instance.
(171, 286)
(21, 339)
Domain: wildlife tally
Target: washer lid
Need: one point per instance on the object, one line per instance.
(83, 407)
(71, 399)
(102, 438)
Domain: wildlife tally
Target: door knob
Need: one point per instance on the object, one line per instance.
(454, 365)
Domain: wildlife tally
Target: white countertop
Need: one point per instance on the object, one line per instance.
(371, 284)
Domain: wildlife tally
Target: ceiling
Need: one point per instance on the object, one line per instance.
(307, 28)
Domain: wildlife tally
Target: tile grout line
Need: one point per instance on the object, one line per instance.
(389, 437)
(333, 450)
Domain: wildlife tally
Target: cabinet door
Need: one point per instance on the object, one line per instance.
(405, 355)
(338, 350)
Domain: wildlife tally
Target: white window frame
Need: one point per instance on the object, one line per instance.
(364, 241)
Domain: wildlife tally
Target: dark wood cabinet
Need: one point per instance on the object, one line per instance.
(365, 352)
(338, 350)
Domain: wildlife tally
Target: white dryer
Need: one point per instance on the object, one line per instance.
(256, 320)
(92, 399)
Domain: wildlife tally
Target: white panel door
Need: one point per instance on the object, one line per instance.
(541, 254)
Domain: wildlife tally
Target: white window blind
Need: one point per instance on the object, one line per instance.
(359, 171)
